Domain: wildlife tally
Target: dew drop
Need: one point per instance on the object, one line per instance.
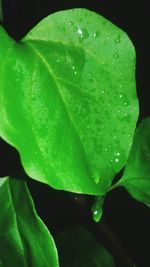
(96, 179)
(85, 13)
(70, 23)
(117, 40)
(95, 34)
(83, 34)
(57, 60)
(116, 55)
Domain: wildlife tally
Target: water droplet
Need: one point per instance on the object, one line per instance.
(83, 34)
(106, 149)
(117, 40)
(116, 55)
(103, 91)
(97, 179)
(70, 23)
(120, 95)
(95, 34)
(85, 13)
(97, 210)
(57, 60)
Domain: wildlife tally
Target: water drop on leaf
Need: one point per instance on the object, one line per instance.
(117, 40)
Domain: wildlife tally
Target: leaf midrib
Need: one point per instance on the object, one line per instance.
(50, 71)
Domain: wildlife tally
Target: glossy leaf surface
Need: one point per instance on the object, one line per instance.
(77, 247)
(24, 239)
(136, 177)
(69, 105)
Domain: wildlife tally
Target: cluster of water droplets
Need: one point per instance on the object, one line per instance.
(82, 32)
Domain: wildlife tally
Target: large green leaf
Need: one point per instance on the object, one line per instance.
(136, 177)
(24, 239)
(78, 248)
(68, 101)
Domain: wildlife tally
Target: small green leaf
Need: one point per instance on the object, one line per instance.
(24, 239)
(68, 101)
(136, 177)
(77, 247)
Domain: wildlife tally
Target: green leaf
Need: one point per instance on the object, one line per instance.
(136, 177)
(78, 247)
(24, 239)
(68, 101)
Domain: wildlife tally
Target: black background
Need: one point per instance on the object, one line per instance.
(128, 219)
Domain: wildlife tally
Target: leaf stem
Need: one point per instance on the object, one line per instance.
(105, 235)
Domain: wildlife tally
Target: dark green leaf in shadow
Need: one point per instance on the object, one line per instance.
(1, 11)
(77, 247)
(68, 101)
(24, 239)
(136, 177)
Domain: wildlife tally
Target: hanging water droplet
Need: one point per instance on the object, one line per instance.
(97, 210)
